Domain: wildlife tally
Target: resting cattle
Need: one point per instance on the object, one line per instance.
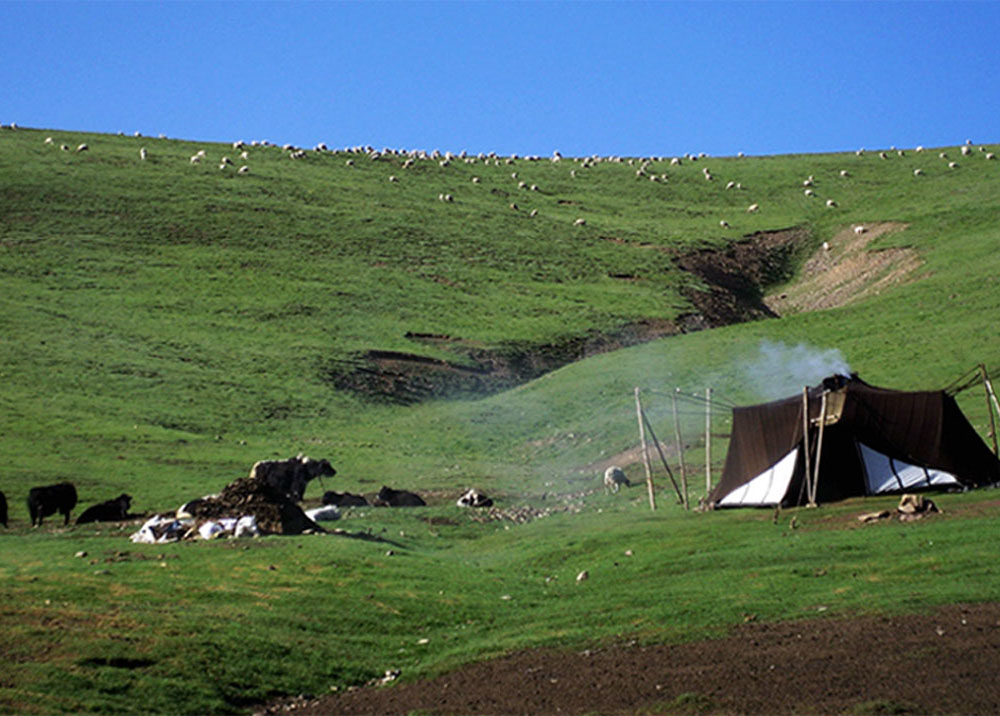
(45, 501)
(114, 510)
(474, 498)
(343, 499)
(3, 509)
(388, 497)
(614, 478)
(291, 476)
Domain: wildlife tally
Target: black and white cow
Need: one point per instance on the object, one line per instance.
(114, 510)
(388, 497)
(291, 476)
(343, 499)
(45, 501)
(474, 498)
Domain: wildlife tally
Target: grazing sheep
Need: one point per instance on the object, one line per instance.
(522, 184)
(196, 159)
(830, 203)
(514, 207)
(919, 148)
(753, 208)
(238, 145)
(143, 153)
(952, 165)
(883, 155)
(533, 187)
(991, 155)
(675, 162)
(943, 155)
(810, 192)
(243, 170)
(918, 172)
(392, 178)
(808, 182)
(859, 229)
(225, 160)
(826, 245)
(513, 175)
(475, 180)
(349, 162)
(64, 147)
(49, 140)
(614, 478)
(966, 151)
(724, 224)
(448, 197)
(534, 213)
(844, 173)
(580, 222)
(244, 155)
(82, 148)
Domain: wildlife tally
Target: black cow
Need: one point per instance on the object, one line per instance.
(343, 499)
(45, 501)
(114, 510)
(3, 509)
(398, 498)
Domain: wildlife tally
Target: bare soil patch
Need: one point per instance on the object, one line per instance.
(941, 662)
(847, 271)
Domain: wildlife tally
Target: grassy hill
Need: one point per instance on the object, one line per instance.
(166, 324)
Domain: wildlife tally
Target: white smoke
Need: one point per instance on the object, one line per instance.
(781, 370)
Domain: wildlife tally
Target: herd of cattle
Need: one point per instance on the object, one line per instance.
(288, 478)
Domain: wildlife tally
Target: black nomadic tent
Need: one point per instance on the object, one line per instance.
(873, 441)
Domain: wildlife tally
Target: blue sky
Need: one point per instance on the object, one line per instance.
(628, 78)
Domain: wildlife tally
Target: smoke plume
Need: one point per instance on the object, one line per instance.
(781, 370)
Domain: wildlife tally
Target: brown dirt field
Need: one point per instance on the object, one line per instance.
(942, 662)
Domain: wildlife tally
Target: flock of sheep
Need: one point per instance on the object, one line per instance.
(406, 159)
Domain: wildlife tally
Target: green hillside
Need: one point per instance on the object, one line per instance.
(165, 324)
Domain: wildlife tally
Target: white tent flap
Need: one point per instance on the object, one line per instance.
(886, 474)
(768, 488)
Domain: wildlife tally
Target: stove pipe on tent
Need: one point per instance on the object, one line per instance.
(862, 440)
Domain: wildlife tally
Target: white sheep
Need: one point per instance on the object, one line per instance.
(580, 222)
(522, 184)
(533, 187)
(64, 147)
(476, 180)
(753, 208)
(810, 192)
(49, 140)
(143, 154)
(918, 172)
(826, 245)
(514, 207)
(952, 165)
(243, 170)
(724, 224)
(966, 150)
(349, 163)
(534, 213)
(392, 178)
(991, 156)
(830, 203)
(859, 229)
(614, 478)
(196, 159)
(844, 173)
(82, 148)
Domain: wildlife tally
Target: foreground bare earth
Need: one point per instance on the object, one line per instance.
(941, 662)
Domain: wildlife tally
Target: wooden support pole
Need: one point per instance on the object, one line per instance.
(645, 450)
(819, 449)
(805, 443)
(708, 442)
(663, 459)
(680, 450)
(989, 406)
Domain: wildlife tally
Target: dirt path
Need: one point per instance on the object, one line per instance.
(943, 662)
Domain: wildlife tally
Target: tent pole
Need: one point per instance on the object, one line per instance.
(708, 442)
(663, 458)
(645, 451)
(680, 448)
(989, 406)
(819, 449)
(805, 441)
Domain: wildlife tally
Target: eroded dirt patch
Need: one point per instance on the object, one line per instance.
(846, 271)
(936, 663)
